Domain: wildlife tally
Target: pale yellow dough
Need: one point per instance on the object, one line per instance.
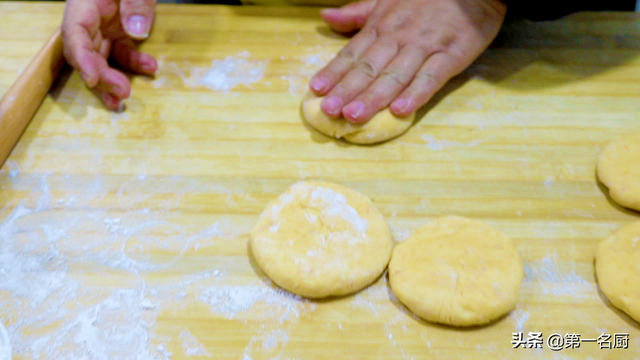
(319, 239)
(457, 271)
(618, 269)
(619, 170)
(383, 126)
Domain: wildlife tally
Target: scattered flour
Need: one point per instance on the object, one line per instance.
(191, 345)
(549, 180)
(306, 66)
(520, 317)
(374, 299)
(399, 234)
(236, 70)
(43, 284)
(222, 75)
(268, 344)
(334, 204)
(547, 274)
(230, 301)
(274, 228)
(440, 144)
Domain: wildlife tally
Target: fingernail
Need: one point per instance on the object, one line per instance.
(319, 84)
(328, 11)
(137, 25)
(110, 100)
(399, 105)
(354, 110)
(148, 67)
(332, 105)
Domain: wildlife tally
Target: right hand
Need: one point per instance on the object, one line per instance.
(405, 51)
(94, 31)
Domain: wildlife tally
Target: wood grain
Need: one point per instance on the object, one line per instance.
(512, 141)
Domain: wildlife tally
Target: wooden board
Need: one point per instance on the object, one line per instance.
(125, 235)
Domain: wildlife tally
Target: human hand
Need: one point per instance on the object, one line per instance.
(94, 31)
(404, 53)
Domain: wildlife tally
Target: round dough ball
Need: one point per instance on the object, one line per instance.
(320, 239)
(383, 126)
(618, 269)
(619, 170)
(457, 271)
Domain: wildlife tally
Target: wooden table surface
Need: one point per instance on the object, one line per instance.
(124, 235)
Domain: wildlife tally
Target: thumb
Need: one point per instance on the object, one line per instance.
(349, 17)
(137, 17)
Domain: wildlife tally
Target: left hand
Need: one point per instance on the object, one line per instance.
(94, 31)
(406, 51)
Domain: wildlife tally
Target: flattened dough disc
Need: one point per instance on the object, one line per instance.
(618, 269)
(319, 239)
(619, 170)
(457, 271)
(383, 126)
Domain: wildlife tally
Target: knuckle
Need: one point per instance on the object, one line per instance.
(426, 80)
(395, 76)
(341, 91)
(370, 32)
(328, 73)
(137, 6)
(457, 56)
(367, 68)
(391, 24)
(375, 96)
(445, 40)
(436, 41)
(426, 45)
(347, 55)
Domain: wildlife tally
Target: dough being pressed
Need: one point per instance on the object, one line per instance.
(383, 126)
(618, 269)
(319, 239)
(619, 170)
(457, 271)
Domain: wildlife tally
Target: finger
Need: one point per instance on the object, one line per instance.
(349, 17)
(128, 57)
(393, 79)
(362, 74)
(105, 48)
(137, 17)
(80, 23)
(112, 81)
(325, 79)
(79, 53)
(434, 73)
(109, 100)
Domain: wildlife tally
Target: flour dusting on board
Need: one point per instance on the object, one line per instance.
(520, 317)
(306, 66)
(223, 75)
(268, 344)
(229, 301)
(440, 144)
(226, 74)
(374, 299)
(48, 243)
(400, 234)
(552, 280)
(192, 346)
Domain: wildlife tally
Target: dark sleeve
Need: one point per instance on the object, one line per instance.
(550, 10)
